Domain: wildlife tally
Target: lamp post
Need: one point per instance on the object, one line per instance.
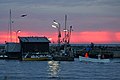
(57, 25)
(10, 24)
(18, 31)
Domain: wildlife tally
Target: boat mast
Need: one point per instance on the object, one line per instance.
(65, 29)
(69, 34)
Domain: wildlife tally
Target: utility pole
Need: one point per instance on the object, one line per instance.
(10, 25)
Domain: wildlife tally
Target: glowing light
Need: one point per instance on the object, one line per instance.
(18, 31)
(65, 30)
(55, 22)
(54, 26)
(50, 39)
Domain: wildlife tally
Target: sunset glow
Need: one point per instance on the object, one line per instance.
(76, 37)
(96, 21)
(97, 37)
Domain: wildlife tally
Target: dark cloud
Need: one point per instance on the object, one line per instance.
(65, 2)
(41, 12)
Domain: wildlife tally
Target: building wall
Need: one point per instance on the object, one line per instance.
(13, 55)
(35, 47)
(12, 50)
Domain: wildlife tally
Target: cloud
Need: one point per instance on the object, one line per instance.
(73, 6)
(83, 15)
(64, 2)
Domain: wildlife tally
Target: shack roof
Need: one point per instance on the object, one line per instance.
(34, 39)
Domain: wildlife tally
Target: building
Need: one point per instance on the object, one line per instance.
(34, 46)
(12, 50)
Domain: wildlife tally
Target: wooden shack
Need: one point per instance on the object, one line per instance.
(34, 46)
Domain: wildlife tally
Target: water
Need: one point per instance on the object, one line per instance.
(49, 70)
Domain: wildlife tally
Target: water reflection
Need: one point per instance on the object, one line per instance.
(54, 68)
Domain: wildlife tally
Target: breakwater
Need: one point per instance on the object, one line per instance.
(109, 50)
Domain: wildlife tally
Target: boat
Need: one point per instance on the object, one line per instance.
(88, 59)
(63, 56)
(37, 58)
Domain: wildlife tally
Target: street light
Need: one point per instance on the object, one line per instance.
(10, 24)
(18, 31)
(57, 25)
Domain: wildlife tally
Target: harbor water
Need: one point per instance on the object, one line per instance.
(55, 70)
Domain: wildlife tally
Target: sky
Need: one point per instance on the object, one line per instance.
(96, 21)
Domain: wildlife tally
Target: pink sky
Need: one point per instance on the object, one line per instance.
(95, 21)
(76, 37)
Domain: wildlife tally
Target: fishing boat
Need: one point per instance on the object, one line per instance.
(37, 57)
(99, 60)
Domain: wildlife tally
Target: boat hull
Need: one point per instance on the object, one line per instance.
(63, 58)
(37, 59)
(93, 60)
